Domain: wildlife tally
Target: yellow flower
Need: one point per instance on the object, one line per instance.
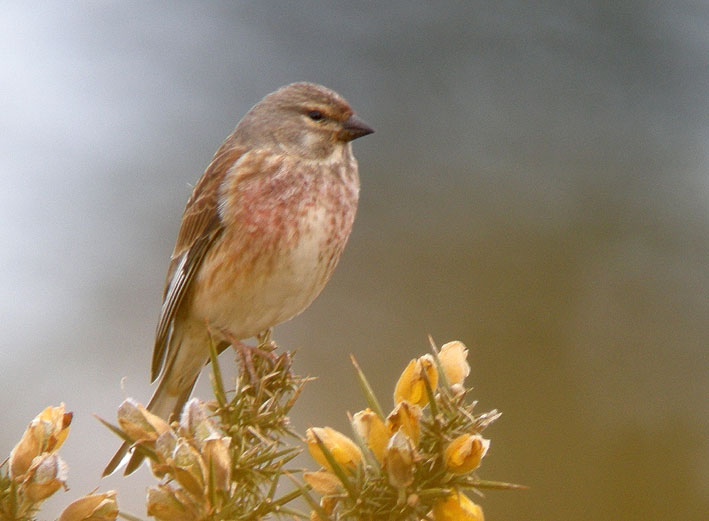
(44, 477)
(139, 423)
(189, 468)
(399, 460)
(405, 417)
(168, 504)
(453, 358)
(345, 452)
(58, 422)
(411, 386)
(195, 421)
(323, 482)
(95, 507)
(457, 507)
(215, 451)
(328, 504)
(370, 427)
(164, 446)
(45, 433)
(465, 452)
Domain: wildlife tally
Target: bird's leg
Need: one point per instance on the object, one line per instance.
(247, 361)
(245, 352)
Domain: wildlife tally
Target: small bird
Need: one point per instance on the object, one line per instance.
(260, 235)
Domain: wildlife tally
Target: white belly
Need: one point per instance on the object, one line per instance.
(279, 286)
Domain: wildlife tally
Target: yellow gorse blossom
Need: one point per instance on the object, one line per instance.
(453, 358)
(345, 452)
(411, 386)
(327, 504)
(168, 504)
(34, 471)
(139, 423)
(94, 507)
(195, 421)
(465, 452)
(322, 481)
(45, 476)
(218, 460)
(370, 427)
(399, 460)
(457, 507)
(45, 434)
(405, 417)
(189, 468)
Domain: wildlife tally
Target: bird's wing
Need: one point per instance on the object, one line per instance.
(201, 225)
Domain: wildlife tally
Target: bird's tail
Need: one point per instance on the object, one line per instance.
(176, 383)
(162, 404)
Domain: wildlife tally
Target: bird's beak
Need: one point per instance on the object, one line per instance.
(354, 128)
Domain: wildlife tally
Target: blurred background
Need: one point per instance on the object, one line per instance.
(537, 188)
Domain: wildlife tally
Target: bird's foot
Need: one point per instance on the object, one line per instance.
(248, 353)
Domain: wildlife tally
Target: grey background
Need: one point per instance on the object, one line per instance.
(537, 188)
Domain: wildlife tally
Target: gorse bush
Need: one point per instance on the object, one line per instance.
(230, 458)
(413, 463)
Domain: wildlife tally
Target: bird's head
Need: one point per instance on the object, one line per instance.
(306, 119)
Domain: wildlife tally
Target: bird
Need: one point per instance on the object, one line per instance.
(260, 236)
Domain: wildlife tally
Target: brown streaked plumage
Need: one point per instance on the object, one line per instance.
(260, 235)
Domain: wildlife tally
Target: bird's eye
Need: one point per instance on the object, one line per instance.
(315, 115)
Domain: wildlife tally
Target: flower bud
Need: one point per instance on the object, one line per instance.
(323, 481)
(399, 460)
(458, 391)
(28, 448)
(328, 505)
(454, 361)
(195, 421)
(138, 423)
(189, 468)
(45, 433)
(345, 452)
(405, 417)
(58, 426)
(370, 427)
(411, 386)
(44, 477)
(164, 446)
(216, 455)
(95, 507)
(465, 452)
(457, 507)
(164, 504)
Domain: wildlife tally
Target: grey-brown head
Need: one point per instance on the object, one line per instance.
(304, 118)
